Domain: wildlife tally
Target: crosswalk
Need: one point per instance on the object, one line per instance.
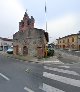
(49, 88)
(61, 70)
(58, 82)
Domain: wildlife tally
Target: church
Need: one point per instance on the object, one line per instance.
(29, 41)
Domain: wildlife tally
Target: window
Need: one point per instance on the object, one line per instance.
(60, 41)
(68, 40)
(72, 39)
(63, 41)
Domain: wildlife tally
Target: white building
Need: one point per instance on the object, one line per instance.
(5, 43)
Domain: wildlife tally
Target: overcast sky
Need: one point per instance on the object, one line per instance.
(63, 16)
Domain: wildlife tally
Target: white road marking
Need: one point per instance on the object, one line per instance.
(62, 70)
(52, 61)
(4, 76)
(62, 79)
(64, 66)
(27, 89)
(48, 88)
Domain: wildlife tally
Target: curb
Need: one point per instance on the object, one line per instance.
(55, 61)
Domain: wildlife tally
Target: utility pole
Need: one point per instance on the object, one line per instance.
(46, 48)
(46, 15)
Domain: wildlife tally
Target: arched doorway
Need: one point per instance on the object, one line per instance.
(63, 46)
(17, 47)
(25, 50)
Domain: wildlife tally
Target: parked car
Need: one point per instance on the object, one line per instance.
(10, 51)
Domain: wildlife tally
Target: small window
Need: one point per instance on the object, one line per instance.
(63, 41)
(68, 40)
(60, 41)
(72, 39)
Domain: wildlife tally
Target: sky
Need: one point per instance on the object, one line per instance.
(63, 16)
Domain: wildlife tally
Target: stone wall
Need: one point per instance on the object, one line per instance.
(29, 40)
(34, 39)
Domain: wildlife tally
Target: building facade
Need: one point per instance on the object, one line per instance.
(29, 41)
(70, 42)
(5, 43)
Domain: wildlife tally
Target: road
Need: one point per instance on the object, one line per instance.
(18, 76)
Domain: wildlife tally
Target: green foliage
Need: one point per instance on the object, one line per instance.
(50, 52)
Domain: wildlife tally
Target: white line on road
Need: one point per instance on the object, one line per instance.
(48, 88)
(64, 66)
(62, 70)
(2, 75)
(62, 79)
(27, 89)
(57, 61)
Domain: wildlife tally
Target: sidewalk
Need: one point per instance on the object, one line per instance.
(52, 59)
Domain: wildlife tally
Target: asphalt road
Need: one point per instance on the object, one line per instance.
(17, 76)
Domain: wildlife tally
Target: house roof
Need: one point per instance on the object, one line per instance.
(6, 39)
(68, 36)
